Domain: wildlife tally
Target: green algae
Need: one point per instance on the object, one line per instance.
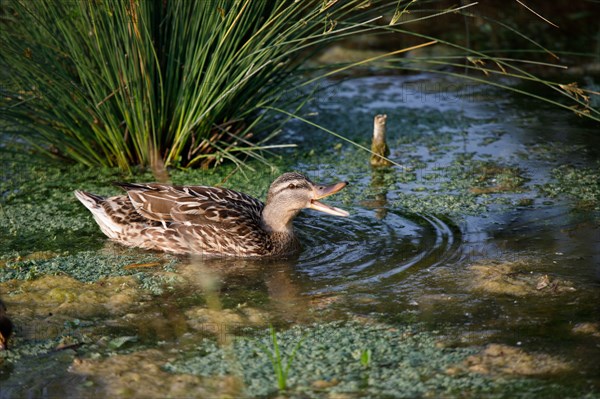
(38, 209)
(399, 360)
(137, 375)
(515, 279)
(22, 349)
(465, 187)
(404, 362)
(441, 204)
(484, 177)
(553, 151)
(438, 178)
(91, 266)
(580, 184)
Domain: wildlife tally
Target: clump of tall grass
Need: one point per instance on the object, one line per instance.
(183, 83)
(186, 83)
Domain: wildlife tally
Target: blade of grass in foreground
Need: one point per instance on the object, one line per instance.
(275, 357)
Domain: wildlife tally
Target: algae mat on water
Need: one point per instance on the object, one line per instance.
(89, 266)
(403, 362)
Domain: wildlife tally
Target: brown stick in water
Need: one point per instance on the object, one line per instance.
(378, 145)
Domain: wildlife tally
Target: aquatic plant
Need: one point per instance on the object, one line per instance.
(406, 363)
(281, 371)
(365, 357)
(122, 83)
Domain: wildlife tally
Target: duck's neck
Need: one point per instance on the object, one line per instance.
(278, 220)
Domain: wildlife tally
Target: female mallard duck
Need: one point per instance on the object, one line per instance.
(209, 220)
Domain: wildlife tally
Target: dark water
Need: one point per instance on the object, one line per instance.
(344, 256)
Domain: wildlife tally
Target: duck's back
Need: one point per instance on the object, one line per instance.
(195, 205)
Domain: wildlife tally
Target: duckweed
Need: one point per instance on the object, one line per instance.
(90, 266)
(580, 184)
(45, 231)
(404, 363)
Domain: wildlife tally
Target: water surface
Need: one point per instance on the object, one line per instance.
(485, 235)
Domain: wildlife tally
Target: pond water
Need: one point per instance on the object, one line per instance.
(486, 239)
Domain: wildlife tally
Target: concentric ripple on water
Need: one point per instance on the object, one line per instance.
(362, 250)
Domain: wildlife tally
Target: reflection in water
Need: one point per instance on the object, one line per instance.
(369, 252)
(237, 281)
(380, 188)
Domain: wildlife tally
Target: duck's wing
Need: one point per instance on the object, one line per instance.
(153, 200)
(196, 205)
(217, 205)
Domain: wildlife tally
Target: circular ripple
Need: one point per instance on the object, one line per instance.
(363, 250)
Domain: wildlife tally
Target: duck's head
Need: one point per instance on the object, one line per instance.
(292, 192)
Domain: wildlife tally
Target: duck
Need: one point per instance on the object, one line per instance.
(6, 327)
(204, 220)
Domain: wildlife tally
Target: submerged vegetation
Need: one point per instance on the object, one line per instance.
(581, 184)
(178, 83)
(401, 362)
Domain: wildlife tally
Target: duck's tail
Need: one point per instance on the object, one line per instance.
(97, 205)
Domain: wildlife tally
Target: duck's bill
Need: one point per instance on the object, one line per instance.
(322, 192)
(332, 210)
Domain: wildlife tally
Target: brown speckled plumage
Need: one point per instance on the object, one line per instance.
(208, 220)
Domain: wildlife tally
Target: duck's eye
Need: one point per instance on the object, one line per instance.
(291, 186)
